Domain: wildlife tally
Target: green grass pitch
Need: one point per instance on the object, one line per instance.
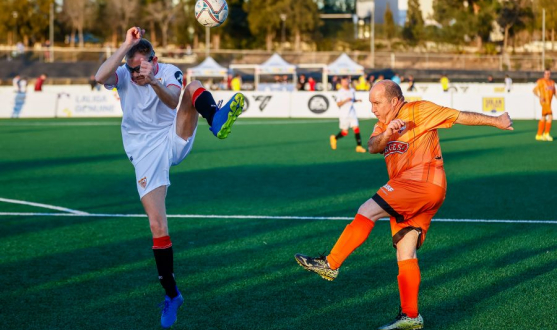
(99, 272)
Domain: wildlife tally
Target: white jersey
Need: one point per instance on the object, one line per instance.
(146, 118)
(347, 109)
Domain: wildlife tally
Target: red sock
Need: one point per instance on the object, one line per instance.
(352, 237)
(409, 286)
(547, 126)
(541, 125)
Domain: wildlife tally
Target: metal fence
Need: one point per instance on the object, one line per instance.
(393, 60)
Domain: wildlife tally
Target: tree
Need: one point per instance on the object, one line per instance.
(162, 12)
(120, 14)
(414, 26)
(390, 27)
(264, 18)
(512, 17)
(76, 13)
(302, 17)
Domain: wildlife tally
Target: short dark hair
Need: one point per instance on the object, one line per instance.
(392, 89)
(143, 47)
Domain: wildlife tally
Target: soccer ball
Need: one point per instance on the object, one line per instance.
(211, 13)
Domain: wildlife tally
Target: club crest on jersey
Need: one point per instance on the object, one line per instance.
(395, 147)
(143, 182)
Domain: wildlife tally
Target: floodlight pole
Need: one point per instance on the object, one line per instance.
(373, 36)
(543, 39)
(51, 32)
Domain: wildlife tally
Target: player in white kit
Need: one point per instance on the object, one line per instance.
(156, 136)
(346, 96)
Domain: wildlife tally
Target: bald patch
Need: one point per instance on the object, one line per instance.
(391, 89)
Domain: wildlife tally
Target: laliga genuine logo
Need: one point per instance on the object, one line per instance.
(318, 104)
(395, 147)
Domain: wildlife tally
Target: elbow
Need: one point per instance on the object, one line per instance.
(99, 79)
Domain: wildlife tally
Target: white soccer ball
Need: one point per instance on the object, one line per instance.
(211, 13)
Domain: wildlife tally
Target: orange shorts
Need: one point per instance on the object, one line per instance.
(546, 109)
(411, 204)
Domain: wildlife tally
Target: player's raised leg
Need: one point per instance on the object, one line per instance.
(154, 204)
(358, 137)
(354, 235)
(219, 118)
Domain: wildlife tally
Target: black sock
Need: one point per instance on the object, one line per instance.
(358, 139)
(339, 135)
(206, 106)
(165, 266)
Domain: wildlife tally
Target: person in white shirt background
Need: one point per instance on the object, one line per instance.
(345, 98)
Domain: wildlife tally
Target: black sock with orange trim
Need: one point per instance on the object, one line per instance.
(164, 257)
(358, 139)
(205, 104)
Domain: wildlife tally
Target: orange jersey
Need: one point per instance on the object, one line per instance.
(546, 90)
(414, 152)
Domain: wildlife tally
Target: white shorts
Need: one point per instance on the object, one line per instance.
(349, 121)
(152, 171)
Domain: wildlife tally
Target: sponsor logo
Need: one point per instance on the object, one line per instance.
(264, 101)
(143, 182)
(395, 147)
(493, 104)
(179, 76)
(386, 188)
(318, 104)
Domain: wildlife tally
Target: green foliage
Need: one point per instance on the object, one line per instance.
(390, 26)
(414, 26)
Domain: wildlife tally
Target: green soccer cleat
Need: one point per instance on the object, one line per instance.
(403, 322)
(317, 265)
(227, 115)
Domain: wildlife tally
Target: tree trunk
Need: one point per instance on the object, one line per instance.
(269, 41)
(297, 40)
(80, 31)
(164, 30)
(72, 38)
(552, 38)
(195, 41)
(506, 39)
(114, 38)
(216, 41)
(153, 33)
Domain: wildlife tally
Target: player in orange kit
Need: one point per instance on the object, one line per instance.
(545, 90)
(406, 135)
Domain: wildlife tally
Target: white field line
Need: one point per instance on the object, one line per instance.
(93, 123)
(46, 206)
(259, 217)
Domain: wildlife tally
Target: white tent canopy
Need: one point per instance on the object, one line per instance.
(276, 65)
(344, 65)
(207, 68)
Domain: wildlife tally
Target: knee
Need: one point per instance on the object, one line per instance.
(158, 225)
(193, 86)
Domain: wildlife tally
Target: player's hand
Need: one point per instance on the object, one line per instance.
(146, 70)
(394, 126)
(133, 35)
(505, 122)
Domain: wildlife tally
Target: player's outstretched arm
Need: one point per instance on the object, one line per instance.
(377, 144)
(105, 74)
(477, 119)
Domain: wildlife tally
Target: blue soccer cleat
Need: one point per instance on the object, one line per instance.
(227, 115)
(170, 308)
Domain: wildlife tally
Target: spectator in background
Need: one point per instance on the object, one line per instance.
(15, 83)
(311, 84)
(396, 79)
(229, 81)
(444, 82)
(94, 84)
(236, 83)
(301, 83)
(362, 84)
(39, 83)
(335, 83)
(371, 80)
(381, 77)
(490, 79)
(411, 84)
(508, 83)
